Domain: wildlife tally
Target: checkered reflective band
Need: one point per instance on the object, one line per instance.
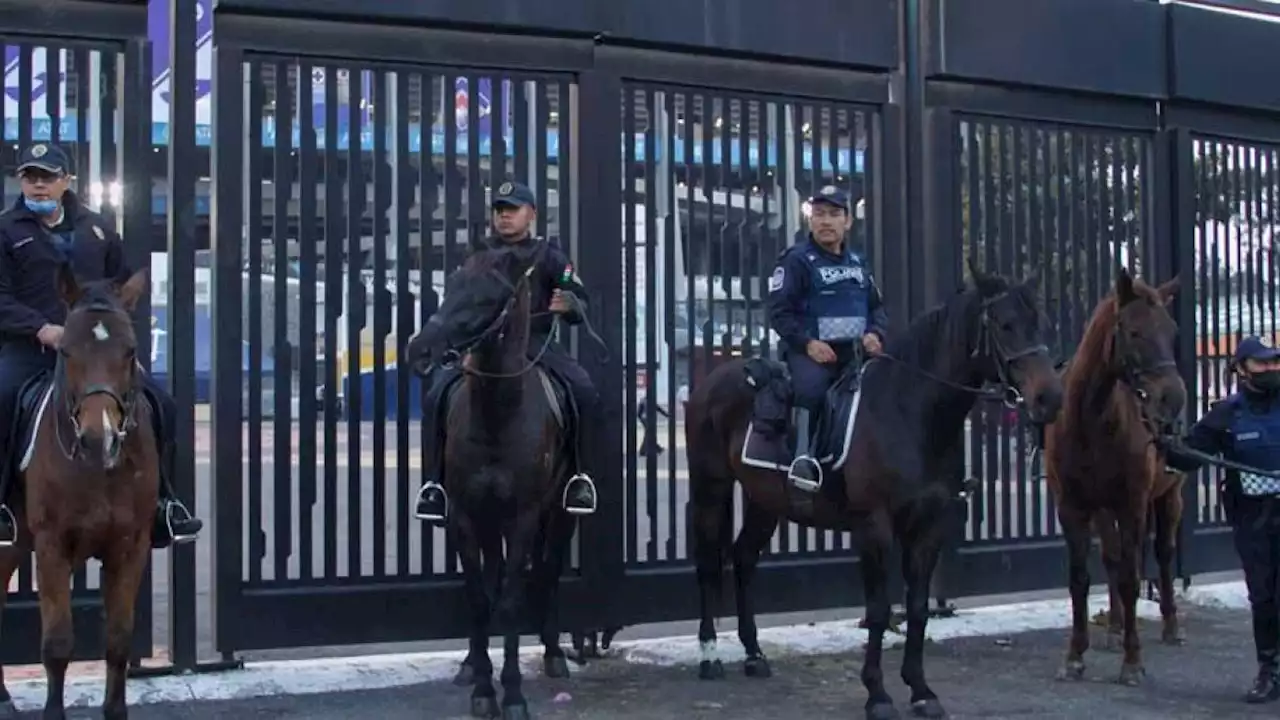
(1259, 485)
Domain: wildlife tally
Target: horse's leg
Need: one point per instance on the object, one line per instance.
(1075, 529)
(121, 576)
(477, 668)
(520, 535)
(758, 526)
(711, 498)
(558, 537)
(1104, 522)
(10, 558)
(1133, 528)
(877, 540)
(921, 545)
(53, 573)
(1168, 516)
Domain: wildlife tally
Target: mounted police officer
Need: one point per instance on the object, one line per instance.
(47, 227)
(558, 289)
(826, 307)
(1245, 428)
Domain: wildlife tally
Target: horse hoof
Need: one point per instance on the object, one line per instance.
(466, 676)
(757, 667)
(1072, 670)
(54, 714)
(928, 708)
(1131, 675)
(555, 667)
(606, 637)
(711, 670)
(515, 712)
(883, 711)
(484, 707)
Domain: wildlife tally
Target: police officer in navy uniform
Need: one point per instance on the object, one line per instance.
(558, 289)
(826, 307)
(47, 227)
(1245, 428)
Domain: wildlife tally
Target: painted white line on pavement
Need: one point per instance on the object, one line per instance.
(305, 677)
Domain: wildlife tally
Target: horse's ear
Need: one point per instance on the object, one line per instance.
(132, 289)
(1124, 287)
(68, 288)
(986, 284)
(1169, 290)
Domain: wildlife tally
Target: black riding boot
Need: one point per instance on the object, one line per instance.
(8, 522)
(1266, 687)
(174, 523)
(805, 473)
(580, 492)
(432, 502)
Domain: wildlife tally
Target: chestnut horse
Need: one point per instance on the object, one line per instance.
(506, 463)
(90, 482)
(1123, 391)
(897, 481)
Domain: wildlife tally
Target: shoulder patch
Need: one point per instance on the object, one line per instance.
(777, 279)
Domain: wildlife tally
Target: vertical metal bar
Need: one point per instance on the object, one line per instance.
(452, 257)
(53, 93)
(650, 326)
(629, 202)
(1038, 214)
(25, 92)
(670, 272)
(134, 223)
(227, 217)
(477, 199)
(334, 213)
(282, 350)
(379, 324)
(357, 319)
(253, 239)
(401, 200)
(1015, 263)
(308, 243)
(428, 262)
(84, 107)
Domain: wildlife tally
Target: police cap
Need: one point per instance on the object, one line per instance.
(47, 157)
(1253, 347)
(514, 194)
(831, 195)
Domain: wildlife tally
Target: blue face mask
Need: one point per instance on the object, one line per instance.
(41, 207)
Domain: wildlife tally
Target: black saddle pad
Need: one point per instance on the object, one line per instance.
(835, 424)
(31, 397)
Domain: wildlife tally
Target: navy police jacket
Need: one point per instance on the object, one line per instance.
(1243, 428)
(554, 272)
(817, 295)
(31, 253)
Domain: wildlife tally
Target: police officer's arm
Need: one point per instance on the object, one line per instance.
(15, 317)
(117, 268)
(787, 288)
(1208, 436)
(877, 316)
(560, 275)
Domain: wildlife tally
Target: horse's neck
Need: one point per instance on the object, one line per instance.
(940, 401)
(1093, 395)
(498, 384)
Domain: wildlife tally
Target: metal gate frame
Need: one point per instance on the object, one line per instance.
(105, 27)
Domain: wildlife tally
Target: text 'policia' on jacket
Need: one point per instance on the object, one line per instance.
(30, 255)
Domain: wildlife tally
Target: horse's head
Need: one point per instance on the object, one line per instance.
(1142, 342)
(99, 362)
(479, 300)
(1011, 349)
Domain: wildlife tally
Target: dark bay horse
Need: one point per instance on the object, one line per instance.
(1123, 391)
(895, 483)
(506, 465)
(90, 481)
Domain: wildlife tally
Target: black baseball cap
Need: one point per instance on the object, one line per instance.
(514, 194)
(47, 157)
(1253, 347)
(831, 195)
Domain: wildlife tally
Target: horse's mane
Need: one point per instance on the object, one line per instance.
(934, 330)
(485, 258)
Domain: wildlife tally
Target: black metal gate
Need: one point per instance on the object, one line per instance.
(349, 227)
(66, 90)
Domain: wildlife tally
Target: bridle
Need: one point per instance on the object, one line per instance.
(1131, 373)
(497, 328)
(989, 345)
(72, 403)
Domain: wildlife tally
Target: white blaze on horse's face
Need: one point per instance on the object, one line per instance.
(100, 332)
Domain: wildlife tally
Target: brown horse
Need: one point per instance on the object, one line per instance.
(506, 463)
(90, 482)
(897, 481)
(1166, 517)
(1123, 391)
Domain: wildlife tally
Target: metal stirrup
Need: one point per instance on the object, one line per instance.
(564, 495)
(169, 511)
(804, 483)
(422, 491)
